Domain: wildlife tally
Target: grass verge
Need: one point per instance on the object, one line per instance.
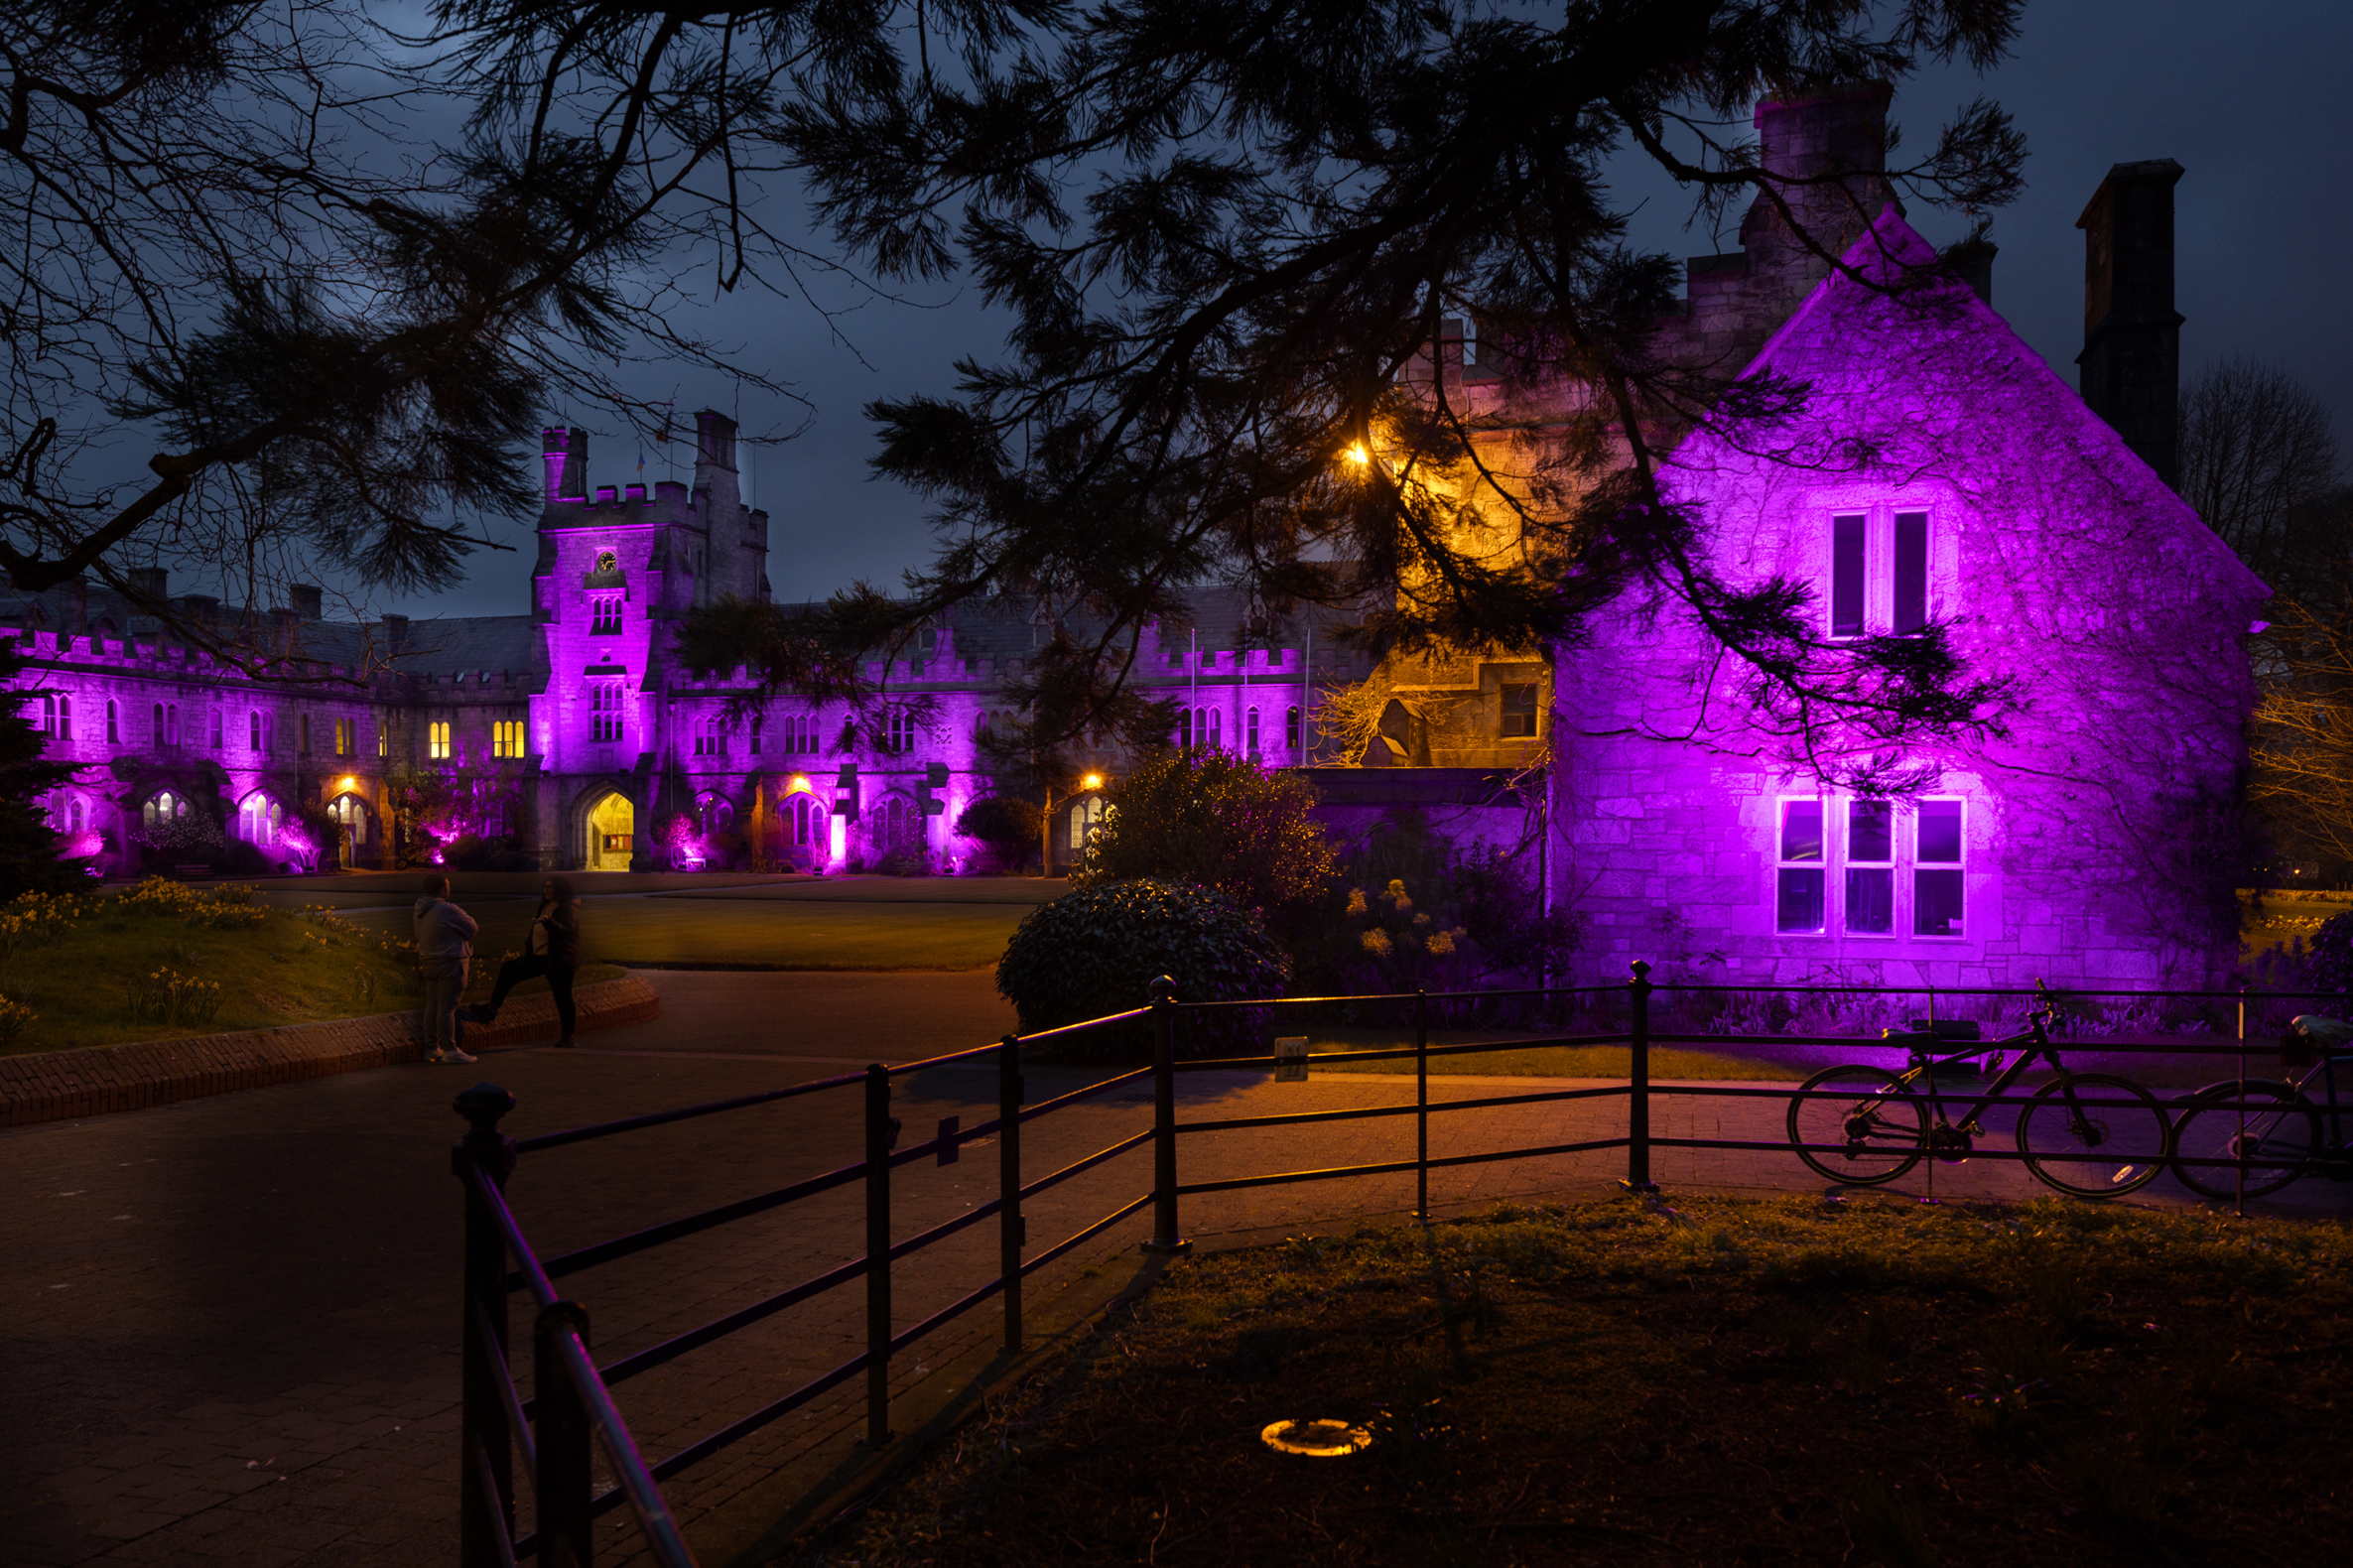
(1720, 1381)
(224, 964)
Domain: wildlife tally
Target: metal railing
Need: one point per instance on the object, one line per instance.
(573, 1408)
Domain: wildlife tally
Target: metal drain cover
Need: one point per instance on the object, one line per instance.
(1316, 1439)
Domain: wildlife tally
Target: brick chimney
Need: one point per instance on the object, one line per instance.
(2131, 365)
(566, 456)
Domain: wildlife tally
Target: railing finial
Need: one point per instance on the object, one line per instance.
(1163, 989)
(482, 1105)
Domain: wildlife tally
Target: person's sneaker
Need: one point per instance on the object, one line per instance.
(450, 1056)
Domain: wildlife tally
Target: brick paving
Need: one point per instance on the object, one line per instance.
(233, 1320)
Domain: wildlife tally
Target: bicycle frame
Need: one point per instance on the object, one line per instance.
(2037, 1039)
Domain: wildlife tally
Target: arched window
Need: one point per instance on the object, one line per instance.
(76, 821)
(258, 817)
(805, 821)
(216, 729)
(49, 716)
(155, 734)
(113, 722)
(171, 724)
(64, 718)
(898, 826)
(759, 722)
(900, 738)
(162, 807)
(1250, 733)
(713, 814)
(253, 730)
(1086, 815)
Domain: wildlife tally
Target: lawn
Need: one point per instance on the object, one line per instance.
(748, 933)
(205, 962)
(1710, 1382)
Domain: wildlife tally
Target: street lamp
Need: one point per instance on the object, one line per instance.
(1092, 781)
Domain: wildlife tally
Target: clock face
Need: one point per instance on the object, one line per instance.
(606, 561)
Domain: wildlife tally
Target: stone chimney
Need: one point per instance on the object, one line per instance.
(2131, 365)
(1971, 260)
(566, 456)
(396, 633)
(1841, 133)
(306, 600)
(715, 445)
(148, 581)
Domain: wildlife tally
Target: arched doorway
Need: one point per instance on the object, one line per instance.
(611, 828)
(351, 812)
(897, 828)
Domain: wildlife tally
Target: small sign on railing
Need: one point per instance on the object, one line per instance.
(1290, 1059)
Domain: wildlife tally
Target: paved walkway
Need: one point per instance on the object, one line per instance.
(233, 1322)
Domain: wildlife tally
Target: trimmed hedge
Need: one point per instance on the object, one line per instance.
(1097, 951)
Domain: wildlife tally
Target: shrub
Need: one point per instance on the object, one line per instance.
(1005, 825)
(1097, 951)
(1217, 820)
(2328, 962)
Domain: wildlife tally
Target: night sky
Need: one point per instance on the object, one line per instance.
(2241, 95)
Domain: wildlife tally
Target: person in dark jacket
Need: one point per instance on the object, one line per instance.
(552, 948)
(445, 948)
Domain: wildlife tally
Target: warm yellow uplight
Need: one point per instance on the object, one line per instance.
(799, 785)
(1358, 454)
(348, 783)
(1092, 781)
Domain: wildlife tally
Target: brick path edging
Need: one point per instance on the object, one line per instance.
(58, 1086)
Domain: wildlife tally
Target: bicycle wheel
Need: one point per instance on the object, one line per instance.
(2281, 1129)
(1880, 1131)
(2095, 1135)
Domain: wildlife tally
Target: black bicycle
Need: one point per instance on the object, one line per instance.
(2088, 1134)
(2275, 1125)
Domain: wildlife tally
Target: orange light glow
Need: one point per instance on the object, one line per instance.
(1092, 781)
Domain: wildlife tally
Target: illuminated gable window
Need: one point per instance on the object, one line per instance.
(436, 741)
(1291, 729)
(604, 711)
(506, 737)
(1798, 886)
(346, 737)
(604, 611)
(161, 808)
(1937, 888)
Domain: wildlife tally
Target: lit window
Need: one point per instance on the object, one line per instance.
(383, 739)
(1086, 815)
(806, 819)
(346, 737)
(604, 611)
(604, 711)
(1936, 894)
(1520, 710)
(258, 818)
(1291, 729)
(1871, 867)
(506, 737)
(1797, 893)
(437, 740)
(163, 806)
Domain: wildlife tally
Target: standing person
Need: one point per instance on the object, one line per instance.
(553, 949)
(444, 945)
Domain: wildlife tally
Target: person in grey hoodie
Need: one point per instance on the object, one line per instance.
(444, 945)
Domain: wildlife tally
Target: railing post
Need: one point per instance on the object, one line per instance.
(1011, 1232)
(485, 1502)
(1421, 1103)
(1164, 1199)
(565, 1482)
(1637, 1117)
(878, 1142)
